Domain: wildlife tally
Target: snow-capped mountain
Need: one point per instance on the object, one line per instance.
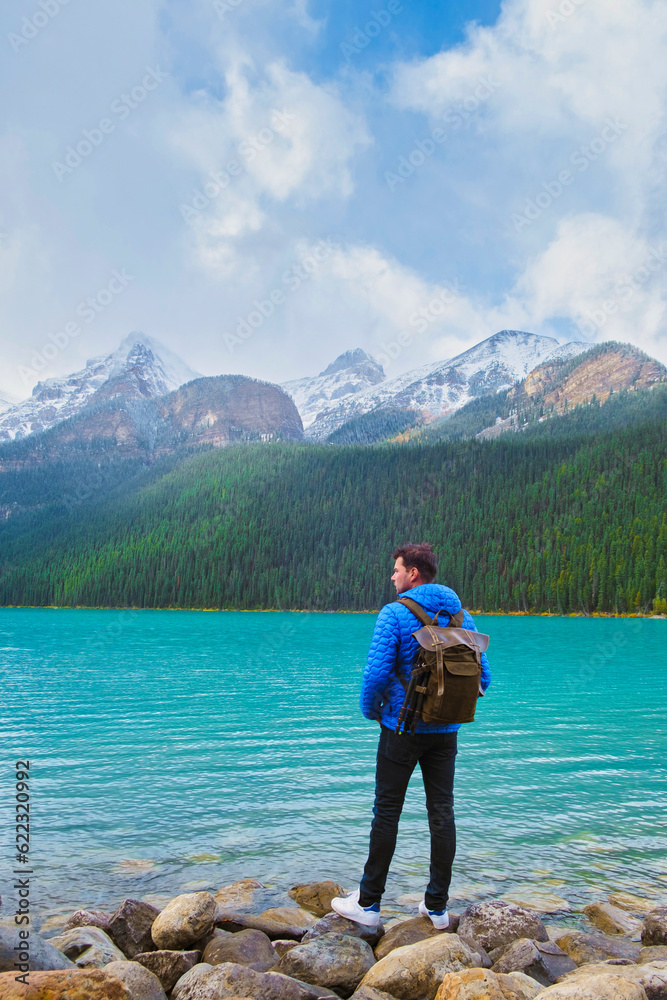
(442, 387)
(350, 373)
(140, 367)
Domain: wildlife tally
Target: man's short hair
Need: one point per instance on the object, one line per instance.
(421, 556)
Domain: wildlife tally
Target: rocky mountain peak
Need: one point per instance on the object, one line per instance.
(349, 359)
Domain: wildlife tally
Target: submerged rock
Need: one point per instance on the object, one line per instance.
(496, 923)
(337, 961)
(631, 903)
(185, 920)
(238, 894)
(130, 926)
(316, 896)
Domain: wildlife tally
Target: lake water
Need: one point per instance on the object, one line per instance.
(179, 750)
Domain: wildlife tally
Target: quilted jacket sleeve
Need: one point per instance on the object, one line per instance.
(380, 663)
(485, 679)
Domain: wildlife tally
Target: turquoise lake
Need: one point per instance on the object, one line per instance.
(179, 750)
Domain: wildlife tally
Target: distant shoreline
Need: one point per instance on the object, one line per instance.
(340, 611)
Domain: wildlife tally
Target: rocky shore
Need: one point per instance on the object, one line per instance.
(202, 946)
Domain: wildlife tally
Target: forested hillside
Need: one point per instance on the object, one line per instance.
(569, 523)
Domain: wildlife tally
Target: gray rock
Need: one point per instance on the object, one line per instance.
(231, 980)
(496, 922)
(283, 946)
(586, 948)
(248, 947)
(368, 993)
(481, 955)
(407, 932)
(336, 961)
(88, 918)
(333, 923)
(228, 920)
(140, 981)
(130, 927)
(189, 979)
(184, 921)
(88, 947)
(654, 930)
(168, 965)
(652, 953)
(316, 896)
(543, 961)
(43, 956)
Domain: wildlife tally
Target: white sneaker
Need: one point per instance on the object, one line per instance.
(439, 918)
(348, 906)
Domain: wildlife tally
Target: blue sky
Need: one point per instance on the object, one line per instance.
(277, 181)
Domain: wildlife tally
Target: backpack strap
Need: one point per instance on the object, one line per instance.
(455, 621)
(417, 610)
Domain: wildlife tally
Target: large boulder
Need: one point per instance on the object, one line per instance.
(67, 984)
(333, 923)
(483, 984)
(652, 977)
(316, 896)
(406, 932)
(130, 926)
(337, 961)
(88, 947)
(168, 965)
(184, 921)
(612, 919)
(229, 920)
(189, 979)
(40, 955)
(415, 971)
(544, 961)
(585, 948)
(654, 930)
(496, 922)
(231, 980)
(248, 947)
(140, 981)
(596, 987)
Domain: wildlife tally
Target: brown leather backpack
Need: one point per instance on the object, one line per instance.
(445, 681)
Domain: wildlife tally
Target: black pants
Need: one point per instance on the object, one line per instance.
(396, 760)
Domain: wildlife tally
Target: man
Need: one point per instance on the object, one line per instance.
(393, 647)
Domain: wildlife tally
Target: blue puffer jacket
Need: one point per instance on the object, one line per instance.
(382, 693)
